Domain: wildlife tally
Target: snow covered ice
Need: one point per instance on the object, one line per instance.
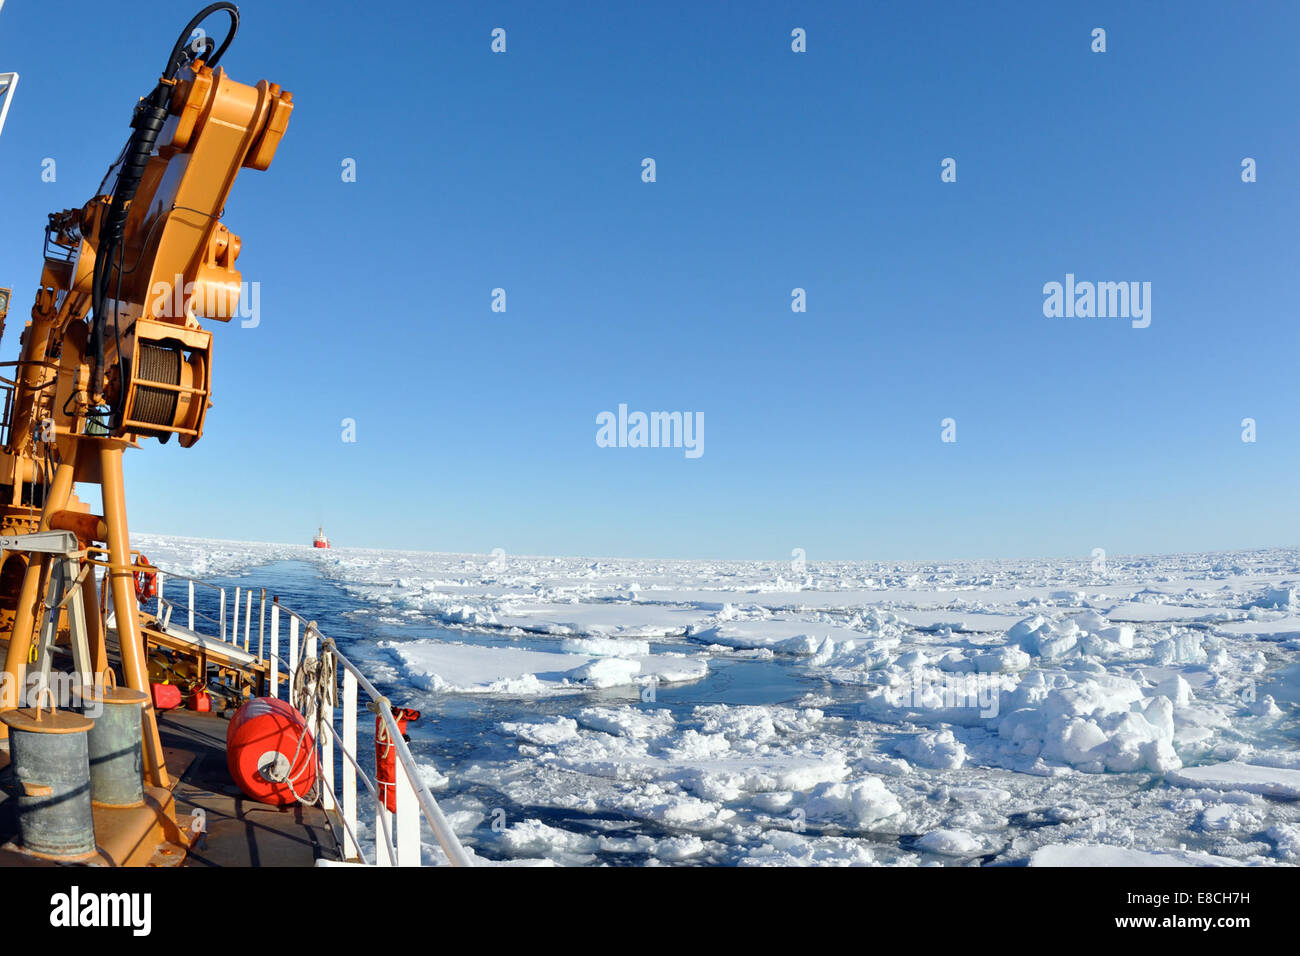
(683, 712)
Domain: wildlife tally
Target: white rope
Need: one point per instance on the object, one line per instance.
(314, 687)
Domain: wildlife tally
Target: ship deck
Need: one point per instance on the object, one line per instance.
(240, 831)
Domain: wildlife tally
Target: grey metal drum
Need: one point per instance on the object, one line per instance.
(50, 758)
(116, 758)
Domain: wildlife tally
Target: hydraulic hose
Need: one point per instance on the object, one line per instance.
(147, 122)
(178, 57)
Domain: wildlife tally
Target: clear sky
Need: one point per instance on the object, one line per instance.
(775, 170)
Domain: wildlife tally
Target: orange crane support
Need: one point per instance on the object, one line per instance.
(115, 352)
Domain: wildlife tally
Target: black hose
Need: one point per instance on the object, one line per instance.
(147, 122)
(178, 57)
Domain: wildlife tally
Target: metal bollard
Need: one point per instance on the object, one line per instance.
(52, 766)
(116, 760)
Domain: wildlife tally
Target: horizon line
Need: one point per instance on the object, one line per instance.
(809, 561)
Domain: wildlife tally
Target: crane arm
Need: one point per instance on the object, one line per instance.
(128, 276)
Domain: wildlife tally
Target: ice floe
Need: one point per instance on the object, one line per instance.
(457, 667)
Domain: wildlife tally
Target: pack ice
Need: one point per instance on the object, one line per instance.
(838, 713)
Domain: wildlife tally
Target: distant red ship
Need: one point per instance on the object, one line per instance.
(321, 541)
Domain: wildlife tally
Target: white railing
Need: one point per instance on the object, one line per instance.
(166, 608)
(397, 834)
(226, 626)
(8, 83)
(317, 661)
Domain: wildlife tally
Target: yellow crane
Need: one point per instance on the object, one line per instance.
(115, 352)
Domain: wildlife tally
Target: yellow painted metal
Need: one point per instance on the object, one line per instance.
(127, 613)
(26, 613)
(68, 420)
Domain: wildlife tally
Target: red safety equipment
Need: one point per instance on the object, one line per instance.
(166, 696)
(386, 754)
(268, 747)
(146, 582)
(200, 700)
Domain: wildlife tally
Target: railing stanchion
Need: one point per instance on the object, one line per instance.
(384, 851)
(223, 613)
(191, 625)
(408, 820)
(275, 647)
(248, 618)
(261, 628)
(161, 577)
(349, 746)
(234, 624)
(293, 649)
(327, 748)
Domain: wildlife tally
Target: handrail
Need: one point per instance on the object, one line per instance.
(7, 94)
(302, 647)
(186, 577)
(442, 830)
(168, 602)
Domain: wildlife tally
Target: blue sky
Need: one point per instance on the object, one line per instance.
(775, 170)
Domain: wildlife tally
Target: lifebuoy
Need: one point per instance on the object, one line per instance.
(146, 582)
(386, 754)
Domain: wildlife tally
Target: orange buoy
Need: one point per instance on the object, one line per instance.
(268, 748)
(386, 754)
